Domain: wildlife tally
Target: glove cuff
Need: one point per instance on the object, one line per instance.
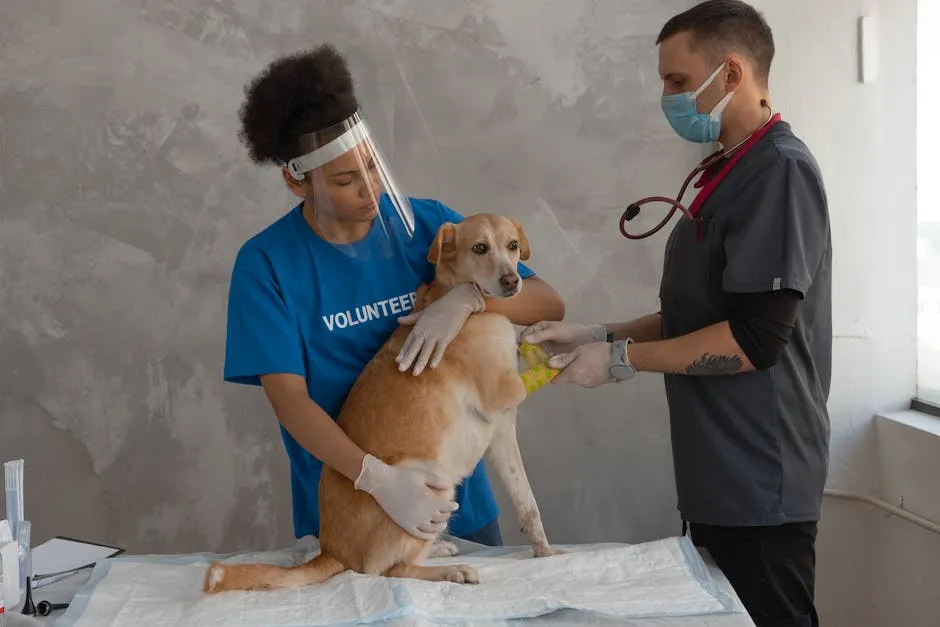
(474, 297)
(372, 473)
(599, 333)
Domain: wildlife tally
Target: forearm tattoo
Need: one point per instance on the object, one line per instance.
(715, 365)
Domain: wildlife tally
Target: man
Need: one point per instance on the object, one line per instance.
(744, 335)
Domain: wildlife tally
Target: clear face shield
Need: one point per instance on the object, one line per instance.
(352, 200)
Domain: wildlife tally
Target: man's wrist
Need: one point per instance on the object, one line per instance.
(599, 333)
(621, 369)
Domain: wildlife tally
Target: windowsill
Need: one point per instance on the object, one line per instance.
(915, 419)
(907, 451)
(925, 407)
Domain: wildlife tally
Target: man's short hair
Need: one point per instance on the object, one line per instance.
(723, 26)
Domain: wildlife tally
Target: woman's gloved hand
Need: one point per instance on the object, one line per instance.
(567, 333)
(437, 326)
(405, 493)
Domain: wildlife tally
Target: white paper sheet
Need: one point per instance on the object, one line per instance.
(60, 555)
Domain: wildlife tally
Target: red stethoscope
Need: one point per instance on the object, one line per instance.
(705, 183)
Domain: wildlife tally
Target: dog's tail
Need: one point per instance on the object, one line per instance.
(222, 577)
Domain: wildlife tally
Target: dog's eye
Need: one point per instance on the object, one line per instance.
(513, 245)
(480, 249)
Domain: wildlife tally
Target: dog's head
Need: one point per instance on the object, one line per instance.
(483, 249)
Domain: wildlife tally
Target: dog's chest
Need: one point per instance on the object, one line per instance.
(469, 434)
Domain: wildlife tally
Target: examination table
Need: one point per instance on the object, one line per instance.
(612, 584)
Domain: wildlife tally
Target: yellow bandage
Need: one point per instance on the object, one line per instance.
(537, 372)
(532, 354)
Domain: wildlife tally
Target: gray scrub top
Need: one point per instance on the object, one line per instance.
(753, 448)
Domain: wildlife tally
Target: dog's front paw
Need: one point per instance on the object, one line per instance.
(544, 550)
(462, 574)
(443, 549)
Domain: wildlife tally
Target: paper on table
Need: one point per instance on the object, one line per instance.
(62, 555)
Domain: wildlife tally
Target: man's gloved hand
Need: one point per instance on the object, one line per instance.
(405, 493)
(437, 326)
(588, 365)
(566, 333)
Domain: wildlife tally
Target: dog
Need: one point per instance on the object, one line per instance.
(449, 417)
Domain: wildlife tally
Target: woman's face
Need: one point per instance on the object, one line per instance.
(347, 188)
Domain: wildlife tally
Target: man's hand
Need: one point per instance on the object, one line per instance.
(437, 326)
(566, 333)
(587, 366)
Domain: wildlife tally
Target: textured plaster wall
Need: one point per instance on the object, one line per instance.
(124, 196)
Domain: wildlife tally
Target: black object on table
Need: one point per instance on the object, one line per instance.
(45, 607)
(28, 607)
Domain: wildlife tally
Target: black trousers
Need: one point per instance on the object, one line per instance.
(773, 569)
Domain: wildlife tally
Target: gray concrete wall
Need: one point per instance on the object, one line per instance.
(125, 195)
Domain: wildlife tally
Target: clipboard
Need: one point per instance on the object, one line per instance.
(63, 555)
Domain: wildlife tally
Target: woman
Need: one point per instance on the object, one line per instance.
(314, 295)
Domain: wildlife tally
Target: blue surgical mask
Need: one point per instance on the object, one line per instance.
(685, 119)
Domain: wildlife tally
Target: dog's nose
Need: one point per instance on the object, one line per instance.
(509, 281)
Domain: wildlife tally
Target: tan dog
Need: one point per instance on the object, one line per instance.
(451, 415)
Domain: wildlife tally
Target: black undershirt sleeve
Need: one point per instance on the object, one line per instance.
(761, 323)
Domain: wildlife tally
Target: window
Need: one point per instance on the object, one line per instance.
(928, 204)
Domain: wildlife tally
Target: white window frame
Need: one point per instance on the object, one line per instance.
(928, 207)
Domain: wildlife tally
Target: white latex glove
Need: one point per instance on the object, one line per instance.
(587, 366)
(404, 492)
(568, 333)
(437, 326)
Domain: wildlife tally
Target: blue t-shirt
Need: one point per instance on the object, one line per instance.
(300, 305)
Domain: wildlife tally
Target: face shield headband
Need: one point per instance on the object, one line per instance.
(349, 134)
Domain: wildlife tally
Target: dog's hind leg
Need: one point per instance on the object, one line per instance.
(506, 458)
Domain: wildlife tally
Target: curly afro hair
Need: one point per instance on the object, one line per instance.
(297, 94)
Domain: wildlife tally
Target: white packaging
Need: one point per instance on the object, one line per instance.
(10, 565)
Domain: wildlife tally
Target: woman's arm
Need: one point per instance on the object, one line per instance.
(310, 425)
(406, 493)
(437, 326)
(537, 301)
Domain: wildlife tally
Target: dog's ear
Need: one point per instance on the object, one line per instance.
(444, 245)
(524, 250)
